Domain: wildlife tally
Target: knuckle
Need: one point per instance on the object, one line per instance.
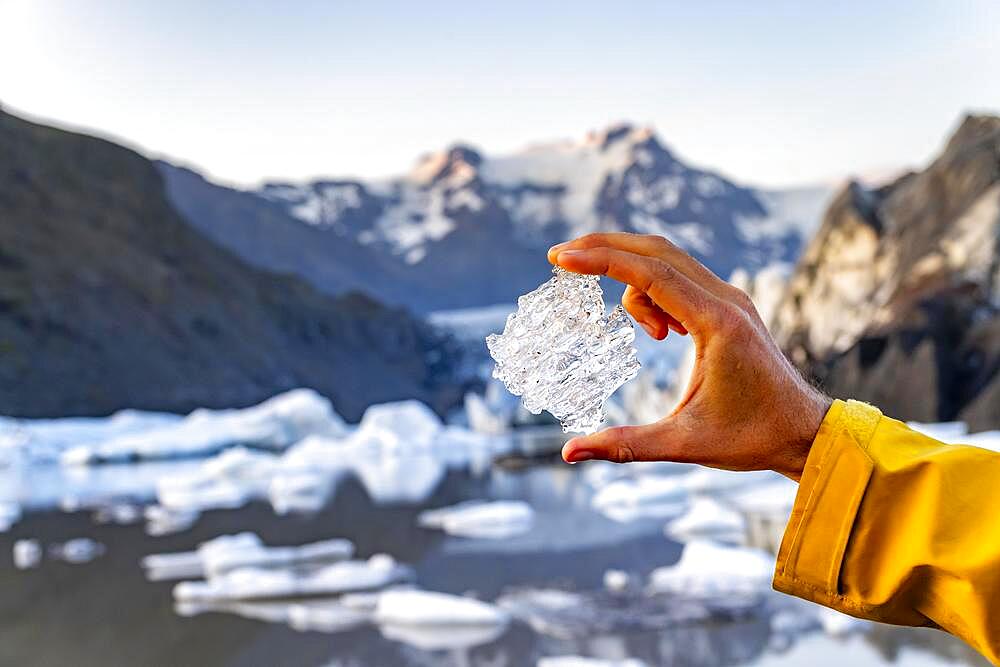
(740, 298)
(728, 317)
(623, 454)
(622, 449)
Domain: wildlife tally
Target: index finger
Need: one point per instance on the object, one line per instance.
(649, 245)
(670, 289)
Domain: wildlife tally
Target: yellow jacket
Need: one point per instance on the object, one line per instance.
(894, 526)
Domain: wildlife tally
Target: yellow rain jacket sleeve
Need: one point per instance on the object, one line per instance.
(894, 526)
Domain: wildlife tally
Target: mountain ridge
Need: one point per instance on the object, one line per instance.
(464, 229)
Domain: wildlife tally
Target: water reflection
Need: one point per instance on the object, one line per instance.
(550, 579)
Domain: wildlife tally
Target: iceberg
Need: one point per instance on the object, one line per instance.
(560, 353)
(242, 550)
(274, 424)
(490, 520)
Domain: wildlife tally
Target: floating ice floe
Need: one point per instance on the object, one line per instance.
(76, 551)
(251, 583)
(161, 520)
(707, 518)
(274, 424)
(721, 574)
(27, 554)
(490, 520)
(230, 552)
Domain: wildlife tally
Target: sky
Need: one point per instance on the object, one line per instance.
(771, 93)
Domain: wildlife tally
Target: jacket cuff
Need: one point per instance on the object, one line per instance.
(833, 483)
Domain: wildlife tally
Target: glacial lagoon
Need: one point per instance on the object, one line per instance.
(573, 582)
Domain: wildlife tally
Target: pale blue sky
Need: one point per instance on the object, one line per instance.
(769, 92)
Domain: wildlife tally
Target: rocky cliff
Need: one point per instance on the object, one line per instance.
(897, 298)
(109, 299)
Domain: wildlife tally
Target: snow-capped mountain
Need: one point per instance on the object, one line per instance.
(467, 229)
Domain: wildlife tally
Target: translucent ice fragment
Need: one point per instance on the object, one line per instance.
(559, 352)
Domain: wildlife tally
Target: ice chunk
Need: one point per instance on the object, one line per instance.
(258, 583)
(230, 552)
(400, 425)
(617, 580)
(492, 520)
(560, 353)
(27, 554)
(77, 551)
(162, 520)
(710, 519)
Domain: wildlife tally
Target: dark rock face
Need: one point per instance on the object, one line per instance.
(897, 299)
(109, 299)
(463, 229)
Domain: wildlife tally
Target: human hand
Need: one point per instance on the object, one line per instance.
(746, 407)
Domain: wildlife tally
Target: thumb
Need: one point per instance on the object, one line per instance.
(624, 444)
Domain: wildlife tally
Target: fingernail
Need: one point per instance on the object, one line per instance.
(580, 455)
(572, 253)
(557, 247)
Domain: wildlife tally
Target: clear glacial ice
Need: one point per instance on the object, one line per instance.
(561, 353)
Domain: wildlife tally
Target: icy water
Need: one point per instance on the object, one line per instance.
(105, 612)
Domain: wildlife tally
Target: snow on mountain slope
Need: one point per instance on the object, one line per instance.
(463, 229)
(619, 179)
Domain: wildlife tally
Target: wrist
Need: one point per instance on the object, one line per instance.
(809, 418)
